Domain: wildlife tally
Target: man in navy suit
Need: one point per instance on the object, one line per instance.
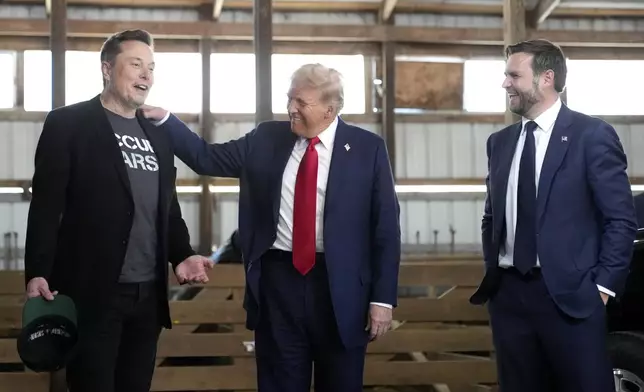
(319, 232)
(557, 232)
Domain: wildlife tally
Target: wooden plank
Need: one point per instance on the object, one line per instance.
(206, 122)
(320, 32)
(8, 352)
(263, 50)
(542, 11)
(387, 8)
(514, 30)
(465, 339)
(232, 312)
(417, 273)
(57, 46)
(312, 47)
(238, 377)
(28, 381)
(388, 98)
(608, 9)
(18, 115)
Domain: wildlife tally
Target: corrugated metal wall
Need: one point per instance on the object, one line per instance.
(450, 150)
(436, 151)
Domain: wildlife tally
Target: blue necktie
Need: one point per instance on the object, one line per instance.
(525, 239)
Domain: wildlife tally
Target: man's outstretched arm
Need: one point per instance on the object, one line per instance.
(216, 160)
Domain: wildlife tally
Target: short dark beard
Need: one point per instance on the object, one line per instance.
(117, 105)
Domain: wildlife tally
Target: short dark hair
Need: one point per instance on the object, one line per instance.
(546, 55)
(112, 46)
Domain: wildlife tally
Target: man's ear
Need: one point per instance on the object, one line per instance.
(106, 70)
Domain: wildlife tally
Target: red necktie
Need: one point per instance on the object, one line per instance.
(304, 210)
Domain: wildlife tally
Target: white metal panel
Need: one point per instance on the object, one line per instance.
(13, 218)
(18, 142)
(183, 171)
(440, 20)
(594, 24)
(23, 11)
(226, 217)
(442, 150)
(344, 18)
(423, 150)
(133, 14)
(420, 220)
(348, 18)
(190, 212)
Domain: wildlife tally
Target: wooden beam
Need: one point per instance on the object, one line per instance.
(387, 9)
(19, 80)
(206, 122)
(367, 118)
(463, 51)
(388, 99)
(232, 312)
(217, 7)
(58, 42)
(243, 376)
(514, 30)
(294, 32)
(179, 345)
(263, 40)
(459, 270)
(542, 11)
(599, 10)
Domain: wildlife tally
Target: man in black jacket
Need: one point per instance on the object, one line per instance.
(104, 222)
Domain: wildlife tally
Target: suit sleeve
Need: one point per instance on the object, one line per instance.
(49, 187)
(486, 222)
(386, 232)
(608, 180)
(179, 247)
(215, 160)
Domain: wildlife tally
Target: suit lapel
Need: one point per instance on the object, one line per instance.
(557, 148)
(106, 137)
(338, 166)
(281, 154)
(504, 164)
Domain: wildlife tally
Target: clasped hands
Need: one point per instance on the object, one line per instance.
(193, 270)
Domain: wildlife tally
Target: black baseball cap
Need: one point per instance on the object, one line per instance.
(49, 333)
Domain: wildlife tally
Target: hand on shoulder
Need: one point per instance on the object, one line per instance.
(153, 113)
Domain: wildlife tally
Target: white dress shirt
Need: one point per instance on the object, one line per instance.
(545, 124)
(324, 148)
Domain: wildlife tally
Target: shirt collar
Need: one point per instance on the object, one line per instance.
(327, 136)
(546, 120)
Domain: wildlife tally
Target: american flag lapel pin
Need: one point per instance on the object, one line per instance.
(347, 147)
(564, 138)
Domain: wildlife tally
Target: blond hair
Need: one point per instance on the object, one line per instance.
(327, 80)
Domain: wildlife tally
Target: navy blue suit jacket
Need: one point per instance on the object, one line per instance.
(586, 220)
(361, 216)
